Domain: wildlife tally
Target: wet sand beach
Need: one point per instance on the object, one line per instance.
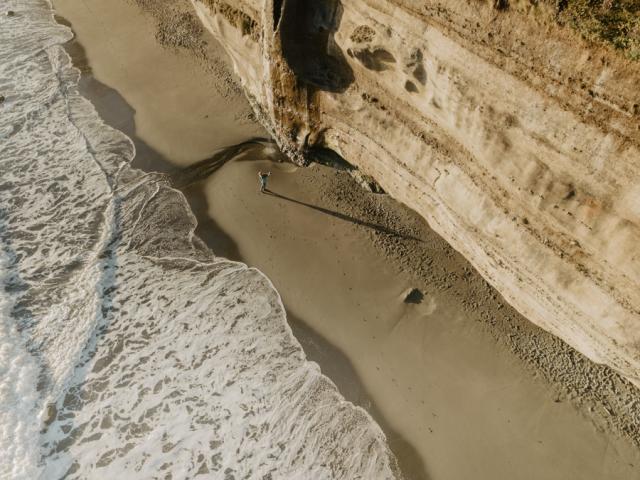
(440, 381)
(444, 370)
(159, 101)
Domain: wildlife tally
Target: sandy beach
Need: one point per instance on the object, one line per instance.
(430, 372)
(462, 385)
(154, 102)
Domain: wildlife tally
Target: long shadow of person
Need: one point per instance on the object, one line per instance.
(343, 216)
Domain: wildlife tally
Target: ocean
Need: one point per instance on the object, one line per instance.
(128, 349)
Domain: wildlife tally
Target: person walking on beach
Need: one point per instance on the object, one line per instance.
(263, 180)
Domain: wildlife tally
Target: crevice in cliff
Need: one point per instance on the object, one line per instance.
(326, 156)
(278, 5)
(307, 29)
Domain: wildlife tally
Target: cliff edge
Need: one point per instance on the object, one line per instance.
(515, 138)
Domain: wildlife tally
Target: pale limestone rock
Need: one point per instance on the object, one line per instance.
(515, 140)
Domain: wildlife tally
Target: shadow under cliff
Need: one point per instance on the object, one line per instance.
(307, 29)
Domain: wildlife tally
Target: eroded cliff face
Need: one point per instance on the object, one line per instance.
(518, 142)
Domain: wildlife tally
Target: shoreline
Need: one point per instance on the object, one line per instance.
(471, 385)
(117, 112)
(441, 274)
(154, 104)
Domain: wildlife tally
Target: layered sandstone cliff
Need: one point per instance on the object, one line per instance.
(517, 141)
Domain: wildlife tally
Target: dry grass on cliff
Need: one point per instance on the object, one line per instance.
(614, 23)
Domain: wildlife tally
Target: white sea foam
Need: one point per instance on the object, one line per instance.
(126, 348)
(18, 396)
